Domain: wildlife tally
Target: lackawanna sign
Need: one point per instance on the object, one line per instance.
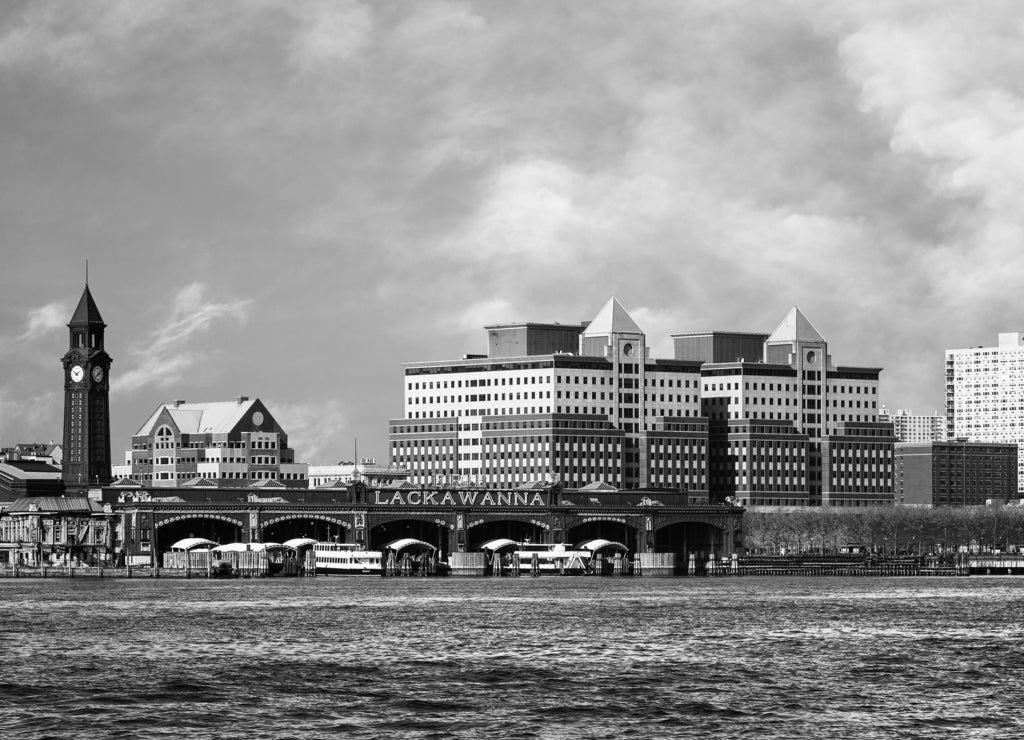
(460, 498)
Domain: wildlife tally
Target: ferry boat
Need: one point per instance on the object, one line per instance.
(336, 559)
(550, 558)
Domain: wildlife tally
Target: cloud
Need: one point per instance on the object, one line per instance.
(26, 416)
(173, 349)
(329, 33)
(318, 432)
(46, 319)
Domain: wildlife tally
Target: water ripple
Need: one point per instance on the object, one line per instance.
(531, 658)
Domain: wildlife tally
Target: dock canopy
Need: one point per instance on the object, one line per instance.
(300, 542)
(192, 543)
(407, 543)
(247, 547)
(499, 544)
(594, 546)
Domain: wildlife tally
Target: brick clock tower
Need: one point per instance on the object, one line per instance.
(86, 399)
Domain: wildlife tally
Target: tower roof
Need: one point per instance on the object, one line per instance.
(86, 314)
(612, 319)
(795, 328)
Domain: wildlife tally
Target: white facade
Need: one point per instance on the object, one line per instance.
(911, 427)
(985, 393)
(365, 471)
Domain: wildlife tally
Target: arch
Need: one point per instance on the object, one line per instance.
(698, 540)
(197, 515)
(216, 527)
(523, 528)
(318, 526)
(435, 529)
(624, 529)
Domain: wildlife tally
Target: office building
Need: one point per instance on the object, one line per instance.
(985, 393)
(955, 473)
(569, 403)
(789, 428)
(227, 444)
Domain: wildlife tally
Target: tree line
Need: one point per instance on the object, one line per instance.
(892, 530)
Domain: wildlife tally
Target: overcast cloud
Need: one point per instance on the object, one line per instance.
(289, 200)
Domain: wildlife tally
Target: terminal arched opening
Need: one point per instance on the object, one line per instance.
(317, 528)
(504, 529)
(702, 540)
(428, 531)
(604, 529)
(215, 529)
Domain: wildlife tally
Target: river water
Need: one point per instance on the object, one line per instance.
(518, 658)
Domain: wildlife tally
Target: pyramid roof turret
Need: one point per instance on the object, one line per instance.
(612, 319)
(795, 328)
(86, 313)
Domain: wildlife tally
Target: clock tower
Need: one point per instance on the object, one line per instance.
(86, 399)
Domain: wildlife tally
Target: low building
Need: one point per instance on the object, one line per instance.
(20, 478)
(48, 452)
(955, 473)
(229, 444)
(366, 471)
(57, 530)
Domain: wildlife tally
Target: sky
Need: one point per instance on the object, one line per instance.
(290, 200)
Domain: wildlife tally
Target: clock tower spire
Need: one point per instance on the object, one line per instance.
(86, 398)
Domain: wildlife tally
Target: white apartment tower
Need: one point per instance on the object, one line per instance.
(914, 428)
(985, 393)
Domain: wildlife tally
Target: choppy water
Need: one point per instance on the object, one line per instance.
(532, 658)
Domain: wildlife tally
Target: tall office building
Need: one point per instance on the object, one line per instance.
(914, 428)
(573, 403)
(985, 393)
(789, 428)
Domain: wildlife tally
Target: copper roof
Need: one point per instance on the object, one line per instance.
(86, 313)
(54, 505)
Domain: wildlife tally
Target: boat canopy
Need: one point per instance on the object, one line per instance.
(247, 547)
(298, 542)
(502, 543)
(191, 543)
(408, 542)
(594, 546)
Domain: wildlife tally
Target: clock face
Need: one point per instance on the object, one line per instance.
(97, 374)
(77, 373)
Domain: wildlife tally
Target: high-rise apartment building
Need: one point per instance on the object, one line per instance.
(573, 403)
(985, 393)
(914, 428)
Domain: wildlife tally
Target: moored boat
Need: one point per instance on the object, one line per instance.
(340, 559)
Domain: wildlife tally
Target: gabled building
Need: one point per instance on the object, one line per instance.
(232, 444)
(48, 452)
